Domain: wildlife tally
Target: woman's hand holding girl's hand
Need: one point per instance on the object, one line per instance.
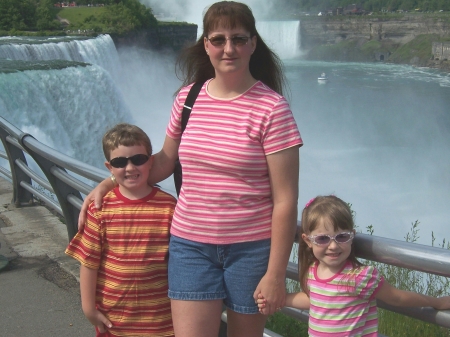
(273, 292)
(96, 195)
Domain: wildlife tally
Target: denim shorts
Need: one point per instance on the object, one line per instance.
(200, 271)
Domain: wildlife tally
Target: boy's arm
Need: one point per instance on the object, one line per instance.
(298, 300)
(88, 286)
(403, 298)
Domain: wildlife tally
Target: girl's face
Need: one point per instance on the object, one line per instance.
(230, 50)
(331, 255)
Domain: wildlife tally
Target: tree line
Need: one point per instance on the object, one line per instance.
(41, 15)
(370, 5)
(126, 15)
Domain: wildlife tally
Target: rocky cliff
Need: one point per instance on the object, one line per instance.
(331, 30)
(401, 39)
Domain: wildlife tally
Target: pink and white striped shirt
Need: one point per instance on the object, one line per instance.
(344, 305)
(226, 195)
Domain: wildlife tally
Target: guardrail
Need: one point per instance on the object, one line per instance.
(67, 179)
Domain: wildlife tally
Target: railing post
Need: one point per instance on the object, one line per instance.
(61, 189)
(21, 196)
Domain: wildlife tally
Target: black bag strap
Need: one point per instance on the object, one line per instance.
(189, 103)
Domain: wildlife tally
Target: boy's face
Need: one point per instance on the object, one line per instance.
(132, 178)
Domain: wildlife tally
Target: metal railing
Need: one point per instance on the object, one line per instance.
(67, 179)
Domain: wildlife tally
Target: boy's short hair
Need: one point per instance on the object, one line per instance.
(126, 135)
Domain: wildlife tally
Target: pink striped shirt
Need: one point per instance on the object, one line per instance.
(344, 305)
(226, 195)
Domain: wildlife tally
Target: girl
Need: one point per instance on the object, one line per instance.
(339, 291)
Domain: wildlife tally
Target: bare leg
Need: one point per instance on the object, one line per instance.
(196, 318)
(244, 325)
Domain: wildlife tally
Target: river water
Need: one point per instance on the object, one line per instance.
(376, 135)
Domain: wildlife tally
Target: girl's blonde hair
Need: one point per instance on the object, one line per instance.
(336, 212)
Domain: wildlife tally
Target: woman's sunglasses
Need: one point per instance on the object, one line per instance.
(136, 160)
(221, 40)
(324, 239)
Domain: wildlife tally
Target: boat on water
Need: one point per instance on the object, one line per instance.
(322, 78)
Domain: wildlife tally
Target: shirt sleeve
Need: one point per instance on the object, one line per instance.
(86, 246)
(280, 129)
(174, 127)
(368, 282)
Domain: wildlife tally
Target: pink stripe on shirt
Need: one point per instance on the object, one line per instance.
(226, 195)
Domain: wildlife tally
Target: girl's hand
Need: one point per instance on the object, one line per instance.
(261, 301)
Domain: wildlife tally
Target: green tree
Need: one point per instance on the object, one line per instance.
(408, 5)
(17, 14)
(45, 16)
(118, 19)
(127, 15)
(27, 9)
(143, 14)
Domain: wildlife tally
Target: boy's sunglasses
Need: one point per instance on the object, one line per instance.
(221, 40)
(136, 160)
(324, 239)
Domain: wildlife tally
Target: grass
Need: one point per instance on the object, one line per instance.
(389, 323)
(78, 16)
(83, 18)
(396, 325)
(419, 47)
(286, 326)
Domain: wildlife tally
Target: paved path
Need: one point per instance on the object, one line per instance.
(39, 289)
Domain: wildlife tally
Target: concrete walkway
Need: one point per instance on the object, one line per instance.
(39, 289)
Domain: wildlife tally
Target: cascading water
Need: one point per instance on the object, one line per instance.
(99, 51)
(282, 36)
(377, 134)
(67, 104)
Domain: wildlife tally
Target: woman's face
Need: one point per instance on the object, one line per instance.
(230, 50)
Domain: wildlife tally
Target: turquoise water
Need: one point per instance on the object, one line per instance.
(376, 135)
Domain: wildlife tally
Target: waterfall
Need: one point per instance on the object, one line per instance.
(281, 36)
(99, 51)
(64, 103)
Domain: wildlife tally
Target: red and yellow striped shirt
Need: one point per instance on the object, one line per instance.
(127, 242)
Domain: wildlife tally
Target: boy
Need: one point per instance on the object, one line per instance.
(123, 247)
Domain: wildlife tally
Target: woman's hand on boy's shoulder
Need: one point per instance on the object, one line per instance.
(96, 196)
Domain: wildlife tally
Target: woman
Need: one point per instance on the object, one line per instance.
(236, 216)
